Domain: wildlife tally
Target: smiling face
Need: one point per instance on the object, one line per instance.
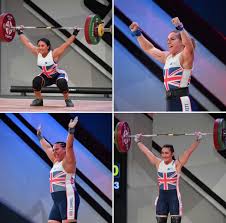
(43, 48)
(59, 152)
(167, 155)
(174, 42)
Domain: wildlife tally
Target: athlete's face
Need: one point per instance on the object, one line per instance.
(58, 152)
(43, 48)
(174, 43)
(167, 155)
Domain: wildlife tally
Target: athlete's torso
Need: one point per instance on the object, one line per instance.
(59, 179)
(47, 64)
(175, 76)
(168, 178)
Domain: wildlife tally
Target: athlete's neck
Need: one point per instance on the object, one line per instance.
(177, 52)
(45, 54)
(168, 162)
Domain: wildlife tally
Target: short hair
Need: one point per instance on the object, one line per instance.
(46, 41)
(179, 35)
(63, 144)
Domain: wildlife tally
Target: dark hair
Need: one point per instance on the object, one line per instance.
(63, 144)
(46, 41)
(179, 35)
(171, 149)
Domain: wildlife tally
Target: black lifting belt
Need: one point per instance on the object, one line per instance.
(179, 92)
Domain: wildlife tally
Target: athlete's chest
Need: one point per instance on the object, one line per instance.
(173, 61)
(57, 167)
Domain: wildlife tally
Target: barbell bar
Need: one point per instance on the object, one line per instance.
(53, 27)
(172, 134)
(93, 28)
(123, 135)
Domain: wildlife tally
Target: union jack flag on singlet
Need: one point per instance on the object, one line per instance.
(48, 70)
(167, 181)
(173, 78)
(58, 181)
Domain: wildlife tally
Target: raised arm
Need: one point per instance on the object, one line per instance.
(45, 145)
(147, 46)
(188, 52)
(187, 153)
(154, 160)
(26, 41)
(70, 160)
(60, 50)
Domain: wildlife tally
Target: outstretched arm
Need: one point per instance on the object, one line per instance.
(154, 160)
(26, 41)
(70, 160)
(60, 50)
(188, 52)
(147, 46)
(187, 153)
(45, 145)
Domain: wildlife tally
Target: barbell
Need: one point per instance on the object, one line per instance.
(123, 135)
(93, 29)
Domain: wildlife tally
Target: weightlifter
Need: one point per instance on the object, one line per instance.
(62, 177)
(47, 61)
(178, 64)
(168, 171)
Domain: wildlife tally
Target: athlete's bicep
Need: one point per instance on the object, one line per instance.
(154, 160)
(178, 165)
(47, 148)
(31, 47)
(50, 155)
(187, 58)
(158, 54)
(158, 161)
(59, 50)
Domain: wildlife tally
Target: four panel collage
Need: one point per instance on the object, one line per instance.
(112, 111)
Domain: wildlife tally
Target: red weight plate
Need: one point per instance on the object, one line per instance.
(124, 141)
(86, 29)
(6, 33)
(116, 138)
(215, 134)
(117, 135)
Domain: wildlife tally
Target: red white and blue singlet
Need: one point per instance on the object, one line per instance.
(169, 199)
(168, 178)
(174, 75)
(48, 65)
(61, 181)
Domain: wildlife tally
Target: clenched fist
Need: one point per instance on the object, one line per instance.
(176, 22)
(134, 26)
